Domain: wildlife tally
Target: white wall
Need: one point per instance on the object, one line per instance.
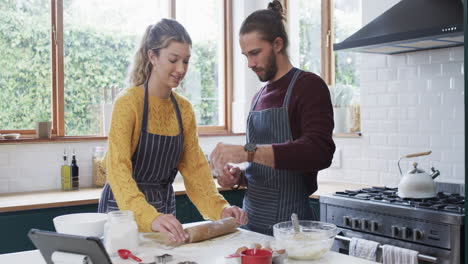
(410, 103)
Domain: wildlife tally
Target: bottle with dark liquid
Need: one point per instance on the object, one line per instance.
(74, 173)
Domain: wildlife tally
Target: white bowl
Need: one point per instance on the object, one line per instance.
(11, 136)
(82, 224)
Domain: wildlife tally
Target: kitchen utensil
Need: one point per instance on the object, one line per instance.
(256, 256)
(295, 222)
(11, 136)
(82, 224)
(212, 229)
(416, 183)
(312, 242)
(125, 254)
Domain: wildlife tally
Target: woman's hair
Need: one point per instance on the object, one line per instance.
(268, 23)
(156, 37)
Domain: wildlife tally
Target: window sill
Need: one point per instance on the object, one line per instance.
(25, 139)
(347, 135)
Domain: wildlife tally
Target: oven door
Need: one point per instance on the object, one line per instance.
(427, 254)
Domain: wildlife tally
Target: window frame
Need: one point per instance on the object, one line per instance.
(57, 75)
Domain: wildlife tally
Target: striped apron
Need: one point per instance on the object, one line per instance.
(154, 164)
(273, 195)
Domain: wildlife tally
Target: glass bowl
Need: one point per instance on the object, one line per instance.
(312, 241)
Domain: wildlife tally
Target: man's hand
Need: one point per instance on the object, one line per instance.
(231, 176)
(234, 211)
(224, 153)
(170, 226)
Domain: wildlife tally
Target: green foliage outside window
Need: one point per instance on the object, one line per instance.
(26, 86)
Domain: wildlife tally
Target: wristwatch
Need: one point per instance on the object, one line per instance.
(250, 148)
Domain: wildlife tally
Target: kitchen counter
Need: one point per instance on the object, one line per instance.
(207, 252)
(49, 199)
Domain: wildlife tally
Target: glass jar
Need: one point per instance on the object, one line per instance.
(99, 173)
(120, 232)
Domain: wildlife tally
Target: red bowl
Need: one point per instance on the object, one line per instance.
(256, 256)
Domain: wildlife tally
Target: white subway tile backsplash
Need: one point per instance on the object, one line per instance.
(372, 61)
(370, 126)
(431, 127)
(378, 114)
(450, 98)
(378, 165)
(418, 57)
(4, 159)
(389, 126)
(452, 69)
(459, 171)
(430, 71)
(387, 74)
(418, 141)
(368, 75)
(408, 127)
(457, 53)
(397, 113)
(439, 84)
(397, 140)
(10, 173)
(459, 142)
(441, 142)
(451, 127)
(376, 87)
(418, 85)
(377, 140)
(407, 73)
(457, 83)
(22, 184)
(397, 60)
(431, 99)
(453, 157)
(371, 178)
(459, 111)
(387, 100)
(388, 153)
(408, 99)
(444, 112)
(439, 56)
(4, 186)
(418, 112)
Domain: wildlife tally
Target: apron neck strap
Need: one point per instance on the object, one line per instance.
(290, 88)
(144, 125)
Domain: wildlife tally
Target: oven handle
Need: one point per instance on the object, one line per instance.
(420, 256)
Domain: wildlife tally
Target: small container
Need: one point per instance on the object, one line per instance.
(120, 232)
(256, 256)
(99, 173)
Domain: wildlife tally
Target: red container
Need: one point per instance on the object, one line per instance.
(256, 256)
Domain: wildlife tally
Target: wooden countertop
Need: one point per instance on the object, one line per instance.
(11, 202)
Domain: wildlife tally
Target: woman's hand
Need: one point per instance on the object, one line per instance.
(230, 177)
(234, 211)
(170, 226)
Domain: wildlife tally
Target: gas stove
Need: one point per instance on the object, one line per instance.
(433, 226)
(448, 202)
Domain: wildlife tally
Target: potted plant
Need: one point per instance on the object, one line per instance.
(341, 96)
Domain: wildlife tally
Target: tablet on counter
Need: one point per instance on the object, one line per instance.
(49, 242)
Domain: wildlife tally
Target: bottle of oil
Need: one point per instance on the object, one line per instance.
(74, 173)
(66, 173)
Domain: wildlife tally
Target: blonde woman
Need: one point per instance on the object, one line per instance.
(153, 135)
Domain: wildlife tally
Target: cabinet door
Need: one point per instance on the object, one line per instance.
(14, 226)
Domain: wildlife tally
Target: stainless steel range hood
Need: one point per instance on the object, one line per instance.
(410, 25)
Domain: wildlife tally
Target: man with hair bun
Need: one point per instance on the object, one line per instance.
(289, 129)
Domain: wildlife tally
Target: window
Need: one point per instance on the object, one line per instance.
(25, 76)
(321, 23)
(66, 60)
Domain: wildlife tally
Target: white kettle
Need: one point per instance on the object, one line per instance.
(416, 183)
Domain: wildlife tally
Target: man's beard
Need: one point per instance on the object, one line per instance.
(270, 69)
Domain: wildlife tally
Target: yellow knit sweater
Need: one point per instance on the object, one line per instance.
(123, 140)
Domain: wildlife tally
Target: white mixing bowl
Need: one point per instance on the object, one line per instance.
(82, 224)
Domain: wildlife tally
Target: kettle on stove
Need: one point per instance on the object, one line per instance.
(417, 183)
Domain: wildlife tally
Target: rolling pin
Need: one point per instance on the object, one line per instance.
(212, 229)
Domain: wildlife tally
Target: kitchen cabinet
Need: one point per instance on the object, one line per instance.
(14, 226)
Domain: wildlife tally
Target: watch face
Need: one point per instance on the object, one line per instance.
(250, 147)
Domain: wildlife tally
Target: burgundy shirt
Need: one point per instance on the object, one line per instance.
(311, 121)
